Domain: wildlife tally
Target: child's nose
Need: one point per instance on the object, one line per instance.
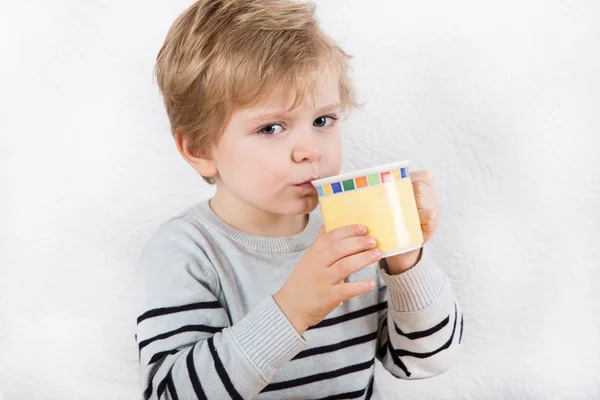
(306, 149)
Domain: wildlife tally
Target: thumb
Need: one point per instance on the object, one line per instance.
(322, 232)
(316, 244)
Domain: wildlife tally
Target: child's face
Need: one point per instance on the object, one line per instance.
(268, 156)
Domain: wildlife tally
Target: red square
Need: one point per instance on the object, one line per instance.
(386, 177)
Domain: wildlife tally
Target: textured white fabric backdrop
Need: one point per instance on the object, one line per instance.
(501, 100)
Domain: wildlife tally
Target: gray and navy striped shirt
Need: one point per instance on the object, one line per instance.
(208, 327)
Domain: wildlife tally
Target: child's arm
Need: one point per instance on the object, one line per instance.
(188, 348)
(421, 331)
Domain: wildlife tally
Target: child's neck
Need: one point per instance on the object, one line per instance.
(249, 219)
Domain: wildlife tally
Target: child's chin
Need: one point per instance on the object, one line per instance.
(306, 205)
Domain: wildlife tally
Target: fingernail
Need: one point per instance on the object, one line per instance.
(372, 241)
(362, 228)
(371, 284)
(377, 253)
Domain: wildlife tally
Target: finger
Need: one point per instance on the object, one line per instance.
(348, 265)
(424, 176)
(347, 290)
(347, 231)
(422, 189)
(340, 249)
(429, 223)
(424, 203)
(335, 235)
(428, 217)
(322, 232)
(425, 198)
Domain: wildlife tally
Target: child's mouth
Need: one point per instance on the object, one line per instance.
(305, 186)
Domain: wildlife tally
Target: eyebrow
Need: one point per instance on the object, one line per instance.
(276, 115)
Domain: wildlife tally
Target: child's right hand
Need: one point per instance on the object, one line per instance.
(316, 286)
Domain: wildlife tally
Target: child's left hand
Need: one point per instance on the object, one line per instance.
(429, 211)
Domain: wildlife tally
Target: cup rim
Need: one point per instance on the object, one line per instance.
(360, 172)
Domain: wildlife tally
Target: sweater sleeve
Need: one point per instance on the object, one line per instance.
(421, 331)
(188, 348)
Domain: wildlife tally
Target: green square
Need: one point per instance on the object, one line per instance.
(348, 185)
(373, 179)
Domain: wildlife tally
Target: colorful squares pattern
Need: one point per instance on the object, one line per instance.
(348, 185)
(373, 179)
(337, 187)
(386, 176)
(362, 181)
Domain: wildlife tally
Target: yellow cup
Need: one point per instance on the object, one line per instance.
(381, 198)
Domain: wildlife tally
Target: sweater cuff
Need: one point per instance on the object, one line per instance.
(416, 288)
(267, 337)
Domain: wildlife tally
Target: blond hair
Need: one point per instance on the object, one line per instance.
(223, 54)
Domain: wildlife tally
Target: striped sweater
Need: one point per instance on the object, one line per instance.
(208, 327)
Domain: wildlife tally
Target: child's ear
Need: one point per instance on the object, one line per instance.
(203, 163)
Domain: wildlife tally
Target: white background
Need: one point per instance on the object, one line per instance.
(500, 100)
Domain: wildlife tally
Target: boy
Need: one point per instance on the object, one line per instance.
(244, 295)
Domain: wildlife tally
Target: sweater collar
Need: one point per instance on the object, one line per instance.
(284, 244)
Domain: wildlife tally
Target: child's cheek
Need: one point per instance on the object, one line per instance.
(331, 153)
(267, 171)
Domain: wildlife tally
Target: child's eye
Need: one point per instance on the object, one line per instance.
(272, 129)
(323, 122)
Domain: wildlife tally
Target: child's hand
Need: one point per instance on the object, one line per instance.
(316, 286)
(429, 211)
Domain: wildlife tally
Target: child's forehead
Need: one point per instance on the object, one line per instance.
(280, 98)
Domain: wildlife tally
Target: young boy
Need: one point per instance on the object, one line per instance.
(244, 295)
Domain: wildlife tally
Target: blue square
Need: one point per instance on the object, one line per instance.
(320, 189)
(337, 187)
(404, 172)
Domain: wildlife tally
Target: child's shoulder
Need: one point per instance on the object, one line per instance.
(182, 226)
(183, 233)
(179, 246)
